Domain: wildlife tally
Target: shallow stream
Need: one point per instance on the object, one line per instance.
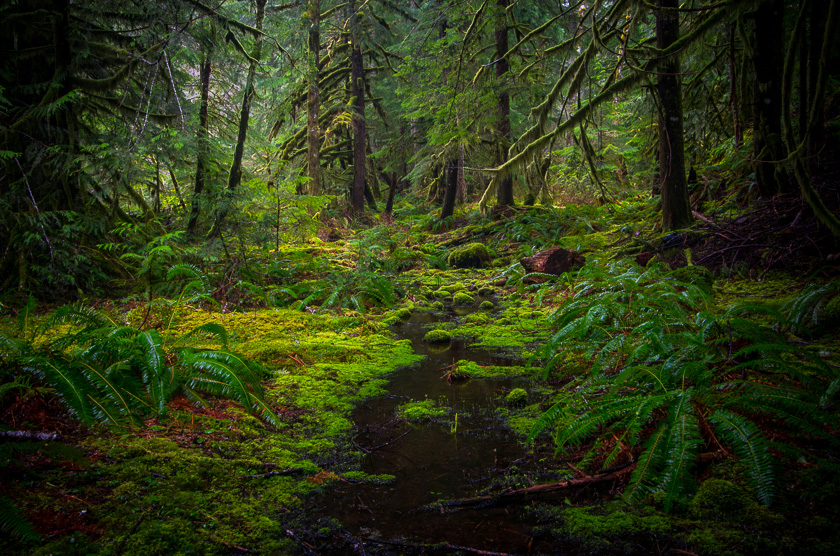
(435, 461)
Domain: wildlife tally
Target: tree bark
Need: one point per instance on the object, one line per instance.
(451, 189)
(816, 130)
(392, 191)
(504, 192)
(201, 142)
(358, 120)
(767, 95)
(676, 212)
(313, 100)
(235, 175)
(737, 128)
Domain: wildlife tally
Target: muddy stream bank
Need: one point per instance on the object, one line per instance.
(438, 460)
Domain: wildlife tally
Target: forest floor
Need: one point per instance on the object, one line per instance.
(216, 480)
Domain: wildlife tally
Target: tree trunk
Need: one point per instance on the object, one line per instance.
(504, 192)
(733, 89)
(312, 99)
(392, 192)
(676, 212)
(767, 95)
(201, 143)
(451, 189)
(816, 129)
(235, 175)
(358, 120)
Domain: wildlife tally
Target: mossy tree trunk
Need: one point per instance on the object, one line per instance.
(767, 95)
(205, 70)
(235, 175)
(313, 100)
(451, 188)
(504, 192)
(676, 212)
(358, 120)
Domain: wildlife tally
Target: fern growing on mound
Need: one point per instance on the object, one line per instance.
(670, 380)
(119, 375)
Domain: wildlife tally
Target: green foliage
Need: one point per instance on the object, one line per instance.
(438, 335)
(104, 372)
(672, 378)
(472, 255)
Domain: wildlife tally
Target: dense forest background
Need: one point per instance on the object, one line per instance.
(220, 219)
(133, 131)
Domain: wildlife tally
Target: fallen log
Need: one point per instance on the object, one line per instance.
(536, 490)
(553, 261)
(30, 435)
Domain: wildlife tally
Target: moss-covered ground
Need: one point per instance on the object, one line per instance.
(216, 480)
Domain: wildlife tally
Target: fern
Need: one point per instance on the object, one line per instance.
(14, 523)
(662, 363)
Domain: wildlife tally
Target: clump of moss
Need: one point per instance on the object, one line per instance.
(486, 290)
(455, 288)
(438, 336)
(477, 318)
(437, 305)
(463, 298)
(403, 314)
(486, 305)
(472, 255)
(419, 411)
(442, 294)
(516, 397)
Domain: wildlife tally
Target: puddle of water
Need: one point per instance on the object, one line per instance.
(432, 462)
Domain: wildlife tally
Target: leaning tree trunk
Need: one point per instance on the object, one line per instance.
(676, 212)
(201, 143)
(312, 100)
(767, 95)
(235, 175)
(504, 192)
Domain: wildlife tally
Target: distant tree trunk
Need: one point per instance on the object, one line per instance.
(733, 89)
(357, 76)
(816, 130)
(767, 95)
(676, 212)
(201, 143)
(451, 189)
(504, 192)
(175, 186)
(392, 192)
(235, 176)
(312, 99)
(462, 180)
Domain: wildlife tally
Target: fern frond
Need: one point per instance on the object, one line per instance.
(14, 523)
(649, 463)
(750, 447)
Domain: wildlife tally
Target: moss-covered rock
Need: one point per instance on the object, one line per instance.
(472, 255)
(403, 314)
(463, 298)
(516, 397)
(442, 293)
(438, 336)
(486, 305)
(420, 411)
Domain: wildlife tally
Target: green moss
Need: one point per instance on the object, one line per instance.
(463, 298)
(472, 255)
(438, 305)
(516, 397)
(442, 294)
(438, 336)
(403, 314)
(486, 305)
(477, 318)
(419, 411)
